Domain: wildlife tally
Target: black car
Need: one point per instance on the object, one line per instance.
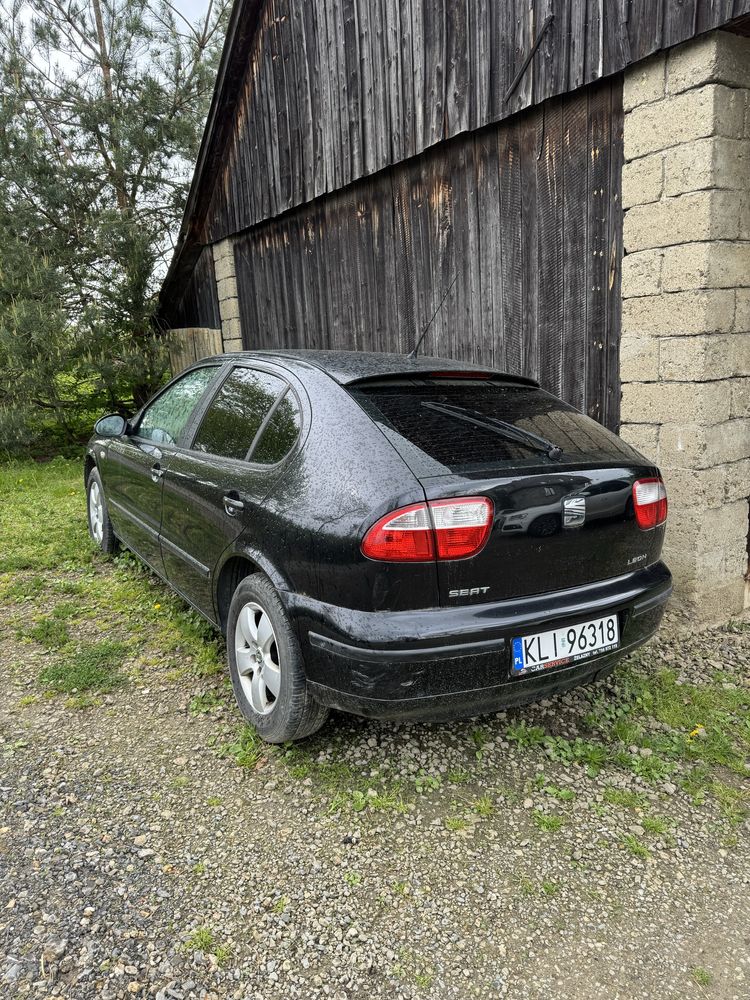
(396, 537)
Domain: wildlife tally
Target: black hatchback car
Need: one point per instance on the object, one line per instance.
(396, 537)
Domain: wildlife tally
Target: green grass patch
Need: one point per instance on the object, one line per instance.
(547, 823)
(49, 632)
(701, 976)
(42, 516)
(625, 797)
(635, 847)
(93, 667)
(246, 749)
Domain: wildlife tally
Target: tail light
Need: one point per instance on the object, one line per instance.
(649, 502)
(421, 532)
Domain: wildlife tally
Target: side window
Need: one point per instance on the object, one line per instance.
(280, 432)
(166, 418)
(234, 417)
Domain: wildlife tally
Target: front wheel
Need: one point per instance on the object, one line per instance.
(266, 667)
(100, 526)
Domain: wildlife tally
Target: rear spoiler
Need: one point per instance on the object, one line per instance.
(445, 373)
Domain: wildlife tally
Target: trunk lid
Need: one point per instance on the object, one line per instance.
(561, 484)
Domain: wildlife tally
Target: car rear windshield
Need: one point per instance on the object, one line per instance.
(457, 425)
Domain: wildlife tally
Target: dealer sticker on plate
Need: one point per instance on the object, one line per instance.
(564, 645)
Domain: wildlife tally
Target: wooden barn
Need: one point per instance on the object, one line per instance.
(569, 178)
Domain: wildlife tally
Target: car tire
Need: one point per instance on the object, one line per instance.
(100, 526)
(266, 665)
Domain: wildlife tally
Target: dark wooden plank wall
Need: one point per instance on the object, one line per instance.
(199, 304)
(336, 90)
(525, 215)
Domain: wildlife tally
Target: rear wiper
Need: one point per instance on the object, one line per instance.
(525, 438)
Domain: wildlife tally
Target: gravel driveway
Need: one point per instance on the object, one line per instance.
(595, 845)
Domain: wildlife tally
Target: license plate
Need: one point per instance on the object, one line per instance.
(569, 644)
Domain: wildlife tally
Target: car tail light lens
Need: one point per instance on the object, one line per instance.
(440, 529)
(650, 503)
(461, 526)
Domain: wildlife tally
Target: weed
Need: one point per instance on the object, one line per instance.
(701, 976)
(526, 885)
(94, 667)
(458, 777)
(734, 803)
(246, 750)
(202, 703)
(525, 735)
(202, 939)
(222, 953)
(479, 739)
(199, 868)
(484, 806)
(280, 905)
(28, 699)
(455, 823)
(632, 844)
(50, 633)
(625, 797)
(654, 824)
(550, 888)
(399, 888)
(424, 783)
(547, 823)
(352, 878)
(423, 980)
(65, 610)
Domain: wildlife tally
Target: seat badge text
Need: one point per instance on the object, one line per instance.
(468, 592)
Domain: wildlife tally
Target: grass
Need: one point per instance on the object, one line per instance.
(246, 749)
(94, 667)
(701, 976)
(52, 633)
(625, 797)
(547, 823)
(455, 823)
(631, 843)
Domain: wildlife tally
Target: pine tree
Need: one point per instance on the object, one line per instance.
(102, 105)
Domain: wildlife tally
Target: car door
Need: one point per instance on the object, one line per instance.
(210, 489)
(133, 466)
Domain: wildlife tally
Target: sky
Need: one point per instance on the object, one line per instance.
(191, 8)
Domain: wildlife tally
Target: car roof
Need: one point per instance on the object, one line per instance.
(346, 367)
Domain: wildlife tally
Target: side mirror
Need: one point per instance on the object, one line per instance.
(111, 426)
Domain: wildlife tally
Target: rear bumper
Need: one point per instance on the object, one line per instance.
(455, 662)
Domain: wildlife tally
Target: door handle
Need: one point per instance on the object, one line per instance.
(157, 472)
(233, 505)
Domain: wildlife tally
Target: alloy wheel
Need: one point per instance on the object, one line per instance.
(96, 511)
(257, 655)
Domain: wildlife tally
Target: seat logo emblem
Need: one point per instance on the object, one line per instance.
(574, 511)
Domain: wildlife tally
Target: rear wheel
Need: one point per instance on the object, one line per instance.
(100, 526)
(266, 667)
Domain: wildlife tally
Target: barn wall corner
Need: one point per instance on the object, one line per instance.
(685, 348)
(226, 286)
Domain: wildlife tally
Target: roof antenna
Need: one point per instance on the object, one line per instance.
(413, 353)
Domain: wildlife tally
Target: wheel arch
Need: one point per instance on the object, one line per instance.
(239, 562)
(89, 463)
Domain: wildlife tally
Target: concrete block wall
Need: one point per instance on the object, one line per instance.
(226, 285)
(685, 351)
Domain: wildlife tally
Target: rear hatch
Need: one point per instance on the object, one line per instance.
(561, 484)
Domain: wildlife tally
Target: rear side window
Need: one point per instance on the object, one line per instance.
(447, 425)
(280, 432)
(233, 419)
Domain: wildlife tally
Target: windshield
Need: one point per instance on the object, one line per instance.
(459, 425)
